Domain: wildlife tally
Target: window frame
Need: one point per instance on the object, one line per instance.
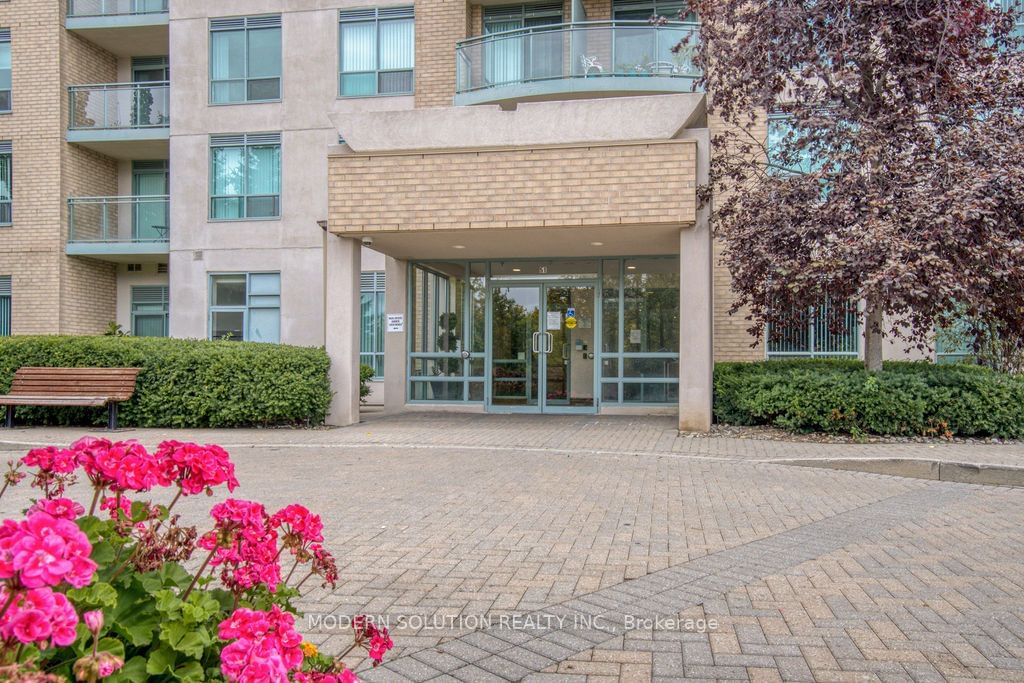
(6, 305)
(5, 42)
(854, 332)
(7, 156)
(244, 308)
(376, 15)
(165, 294)
(245, 141)
(373, 284)
(245, 25)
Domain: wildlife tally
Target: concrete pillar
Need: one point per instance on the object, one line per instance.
(696, 309)
(342, 266)
(396, 344)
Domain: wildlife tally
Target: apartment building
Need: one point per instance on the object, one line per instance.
(492, 203)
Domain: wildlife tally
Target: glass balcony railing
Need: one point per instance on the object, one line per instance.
(120, 106)
(138, 220)
(595, 50)
(115, 8)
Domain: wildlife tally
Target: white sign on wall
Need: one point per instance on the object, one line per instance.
(396, 322)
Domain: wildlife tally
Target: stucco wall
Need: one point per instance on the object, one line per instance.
(292, 244)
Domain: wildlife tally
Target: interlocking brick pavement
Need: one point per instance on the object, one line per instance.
(808, 573)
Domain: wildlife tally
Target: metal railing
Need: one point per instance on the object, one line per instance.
(807, 334)
(120, 106)
(114, 8)
(589, 49)
(119, 220)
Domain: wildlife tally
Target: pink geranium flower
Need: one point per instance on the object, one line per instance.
(39, 616)
(197, 468)
(61, 508)
(44, 550)
(265, 648)
(52, 460)
(244, 545)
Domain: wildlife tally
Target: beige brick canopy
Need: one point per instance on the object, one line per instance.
(419, 181)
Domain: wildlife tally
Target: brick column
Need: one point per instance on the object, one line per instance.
(342, 266)
(439, 24)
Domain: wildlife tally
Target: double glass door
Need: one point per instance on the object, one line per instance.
(543, 347)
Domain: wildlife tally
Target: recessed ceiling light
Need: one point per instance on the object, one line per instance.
(630, 267)
(460, 246)
(517, 270)
(597, 244)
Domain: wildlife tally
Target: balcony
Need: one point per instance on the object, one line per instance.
(122, 120)
(580, 59)
(123, 27)
(119, 228)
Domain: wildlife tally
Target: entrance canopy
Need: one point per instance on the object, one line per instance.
(595, 178)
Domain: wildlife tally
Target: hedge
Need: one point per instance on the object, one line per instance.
(183, 383)
(905, 399)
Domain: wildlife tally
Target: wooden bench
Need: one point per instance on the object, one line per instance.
(71, 387)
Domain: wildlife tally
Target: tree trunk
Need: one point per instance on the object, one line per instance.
(873, 337)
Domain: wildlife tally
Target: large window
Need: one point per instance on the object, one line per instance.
(245, 176)
(1016, 6)
(808, 334)
(5, 69)
(637, 349)
(246, 307)
(245, 59)
(377, 49)
(150, 310)
(640, 331)
(521, 56)
(5, 305)
(371, 349)
(6, 184)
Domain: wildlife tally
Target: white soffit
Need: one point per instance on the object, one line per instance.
(613, 119)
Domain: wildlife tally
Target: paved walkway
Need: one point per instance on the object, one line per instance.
(597, 549)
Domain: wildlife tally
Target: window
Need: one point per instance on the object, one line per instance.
(806, 334)
(5, 305)
(246, 306)
(245, 176)
(1016, 6)
(245, 59)
(643, 10)
(532, 55)
(781, 137)
(6, 184)
(640, 331)
(372, 338)
(5, 69)
(150, 308)
(377, 52)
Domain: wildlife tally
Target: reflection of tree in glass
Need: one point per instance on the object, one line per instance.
(652, 306)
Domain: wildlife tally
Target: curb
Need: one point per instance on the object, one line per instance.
(934, 470)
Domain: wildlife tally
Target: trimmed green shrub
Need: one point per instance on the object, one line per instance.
(366, 374)
(184, 383)
(905, 399)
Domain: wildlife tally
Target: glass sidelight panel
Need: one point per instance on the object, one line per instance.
(515, 345)
(569, 363)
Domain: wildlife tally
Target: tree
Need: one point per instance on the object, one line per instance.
(911, 112)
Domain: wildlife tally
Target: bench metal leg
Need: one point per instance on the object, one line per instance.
(9, 421)
(111, 417)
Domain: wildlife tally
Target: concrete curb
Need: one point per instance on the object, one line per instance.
(935, 470)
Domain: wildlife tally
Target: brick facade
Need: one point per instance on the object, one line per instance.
(52, 293)
(439, 25)
(596, 185)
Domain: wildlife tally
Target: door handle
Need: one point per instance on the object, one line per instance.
(536, 342)
(550, 342)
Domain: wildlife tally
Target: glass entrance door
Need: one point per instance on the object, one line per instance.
(543, 347)
(515, 346)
